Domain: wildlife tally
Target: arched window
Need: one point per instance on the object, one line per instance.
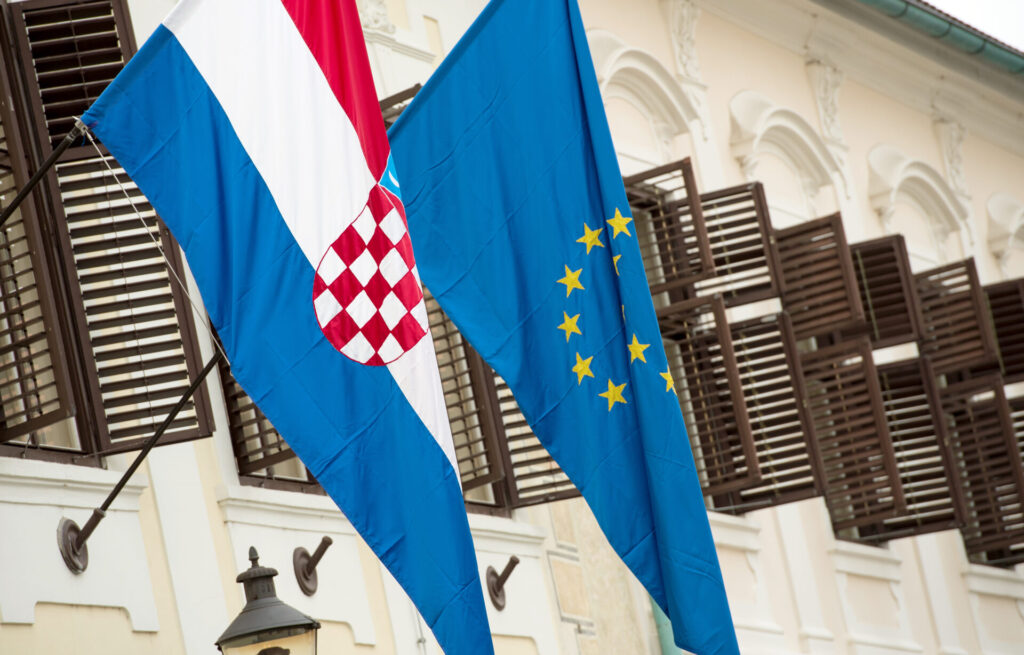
(651, 116)
(776, 146)
(914, 200)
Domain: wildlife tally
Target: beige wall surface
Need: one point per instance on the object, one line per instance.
(794, 588)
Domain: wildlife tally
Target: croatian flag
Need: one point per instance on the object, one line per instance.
(253, 128)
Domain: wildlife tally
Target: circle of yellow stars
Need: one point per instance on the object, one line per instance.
(591, 238)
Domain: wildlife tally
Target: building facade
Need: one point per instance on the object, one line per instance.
(830, 208)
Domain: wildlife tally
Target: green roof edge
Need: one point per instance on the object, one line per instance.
(931, 22)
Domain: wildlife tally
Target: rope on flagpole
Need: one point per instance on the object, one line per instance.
(156, 242)
(71, 539)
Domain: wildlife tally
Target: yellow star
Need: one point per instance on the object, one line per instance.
(670, 384)
(636, 350)
(591, 238)
(614, 394)
(615, 260)
(569, 325)
(619, 224)
(582, 368)
(571, 281)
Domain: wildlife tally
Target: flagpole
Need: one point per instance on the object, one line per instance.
(70, 538)
(72, 136)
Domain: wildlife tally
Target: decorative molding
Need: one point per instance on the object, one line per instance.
(756, 625)
(682, 22)
(879, 564)
(894, 177)
(951, 140)
(759, 126)
(639, 77)
(1005, 226)
(375, 17)
(981, 579)
(500, 535)
(912, 69)
(866, 561)
(825, 81)
(33, 497)
(998, 583)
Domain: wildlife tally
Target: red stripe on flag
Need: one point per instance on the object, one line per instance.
(334, 34)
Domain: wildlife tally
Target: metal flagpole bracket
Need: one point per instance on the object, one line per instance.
(78, 130)
(496, 582)
(71, 540)
(305, 565)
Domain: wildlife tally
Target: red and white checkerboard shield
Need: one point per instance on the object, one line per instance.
(366, 292)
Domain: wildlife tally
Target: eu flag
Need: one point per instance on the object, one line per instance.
(523, 234)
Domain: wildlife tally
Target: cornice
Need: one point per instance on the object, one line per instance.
(891, 59)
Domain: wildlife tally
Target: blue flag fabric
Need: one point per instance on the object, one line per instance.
(522, 231)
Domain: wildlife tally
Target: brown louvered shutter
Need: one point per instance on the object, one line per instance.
(471, 399)
(981, 437)
(1017, 420)
(135, 323)
(703, 366)
(845, 406)
(670, 227)
(819, 290)
(34, 379)
(1006, 304)
(534, 477)
(739, 231)
(888, 293)
(766, 356)
(393, 106)
(927, 468)
(957, 331)
(70, 50)
(261, 454)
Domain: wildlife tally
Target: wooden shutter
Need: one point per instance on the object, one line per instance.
(787, 458)
(134, 321)
(987, 455)
(927, 468)
(1017, 421)
(745, 260)
(819, 289)
(670, 227)
(1006, 307)
(393, 106)
(261, 453)
(471, 399)
(844, 402)
(888, 293)
(34, 378)
(70, 50)
(703, 365)
(957, 332)
(534, 477)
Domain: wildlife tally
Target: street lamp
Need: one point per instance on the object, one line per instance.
(266, 626)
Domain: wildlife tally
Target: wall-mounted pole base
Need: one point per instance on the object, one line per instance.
(305, 576)
(75, 557)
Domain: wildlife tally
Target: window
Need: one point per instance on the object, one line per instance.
(98, 339)
(501, 463)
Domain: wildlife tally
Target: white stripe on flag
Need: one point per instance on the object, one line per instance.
(283, 111)
(303, 144)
